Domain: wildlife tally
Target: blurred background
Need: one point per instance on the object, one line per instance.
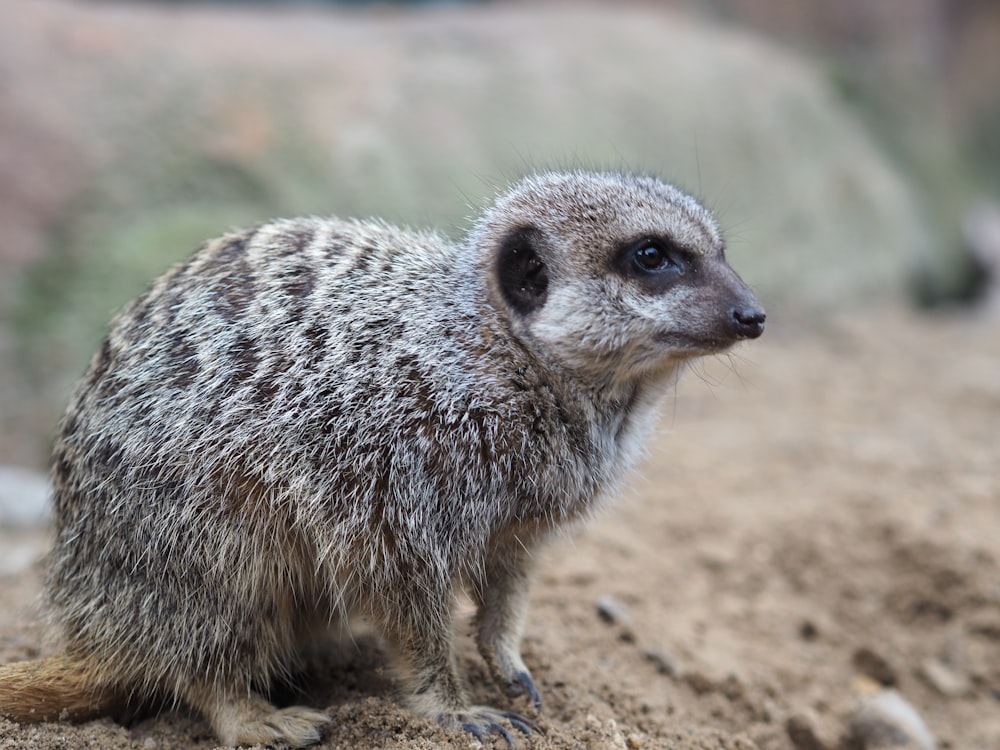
(850, 149)
(825, 520)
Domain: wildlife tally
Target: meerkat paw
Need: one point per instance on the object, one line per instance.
(514, 678)
(522, 684)
(256, 722)
(483, 721)
(297, 726)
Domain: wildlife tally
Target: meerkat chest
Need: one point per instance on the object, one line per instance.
(621, 433)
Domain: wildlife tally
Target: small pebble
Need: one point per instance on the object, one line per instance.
(944, 679)
(885, 719)
(614, 611)
(872, 664)
(665, 664)
(802, 732)
(808, 630)
(699, 682)
(635, 741)
(627, 635)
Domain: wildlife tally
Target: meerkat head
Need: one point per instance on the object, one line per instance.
(613, 275)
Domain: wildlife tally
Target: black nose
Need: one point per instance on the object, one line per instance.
(747, 322)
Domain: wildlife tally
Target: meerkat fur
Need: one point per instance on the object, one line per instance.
(318, 418)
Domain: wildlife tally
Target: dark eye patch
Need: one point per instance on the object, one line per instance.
(649, 258)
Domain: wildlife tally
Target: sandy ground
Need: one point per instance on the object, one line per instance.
(818, 520)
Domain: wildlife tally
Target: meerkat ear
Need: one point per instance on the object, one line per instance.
(523, 277)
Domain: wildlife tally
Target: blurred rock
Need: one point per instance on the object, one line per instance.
(981, 233)
(884, 720)
(155, 127)
(24, 497)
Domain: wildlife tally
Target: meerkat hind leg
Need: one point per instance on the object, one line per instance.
(248, 719)
(422, 648)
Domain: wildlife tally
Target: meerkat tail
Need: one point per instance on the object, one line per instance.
(59, 688)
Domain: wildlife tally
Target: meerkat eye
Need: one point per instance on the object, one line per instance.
(651, 255)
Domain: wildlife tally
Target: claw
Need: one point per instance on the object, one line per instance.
(482, 733)
(497, 729)
(521, 723)
(524, 685)
(482, 722)
(475, 730)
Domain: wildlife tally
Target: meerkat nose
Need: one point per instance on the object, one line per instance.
(747, 322)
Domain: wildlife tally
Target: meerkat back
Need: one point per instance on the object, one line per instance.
(317, 418)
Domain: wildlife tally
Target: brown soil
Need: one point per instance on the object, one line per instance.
(819, 514)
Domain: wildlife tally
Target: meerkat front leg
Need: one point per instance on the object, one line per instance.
(503, 607)
(420, 636)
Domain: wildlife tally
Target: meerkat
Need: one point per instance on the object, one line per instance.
(318, 418)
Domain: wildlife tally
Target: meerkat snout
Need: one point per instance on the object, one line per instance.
(748, 321)
(741, 315)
